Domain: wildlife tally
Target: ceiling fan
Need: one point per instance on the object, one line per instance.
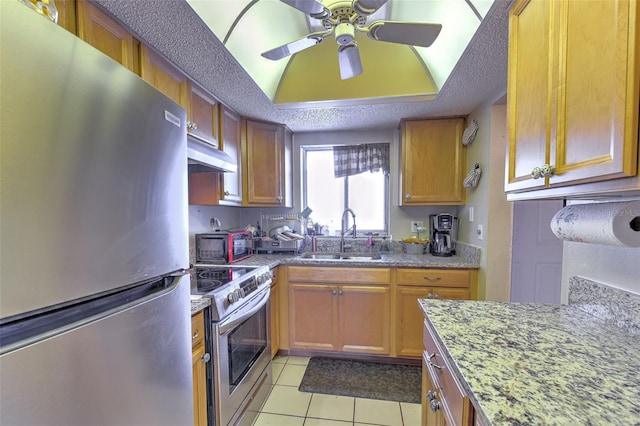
(344, 18)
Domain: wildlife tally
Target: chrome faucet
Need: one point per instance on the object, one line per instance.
(343, 231)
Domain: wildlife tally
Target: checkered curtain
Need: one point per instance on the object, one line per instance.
(349, 160)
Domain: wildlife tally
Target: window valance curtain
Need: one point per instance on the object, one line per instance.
(349, 160)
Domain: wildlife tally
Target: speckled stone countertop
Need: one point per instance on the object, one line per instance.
(199, 303)
(387, 260)
(532, 364)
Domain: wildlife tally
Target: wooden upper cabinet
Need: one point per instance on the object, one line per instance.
(217, 188)
(105, 34)
(164, 76)
(202, 115)
(529, 87)
(573, 96)
(263, 168)
(433, 161)
(230, 137)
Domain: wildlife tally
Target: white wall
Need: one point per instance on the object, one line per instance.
(615, 266)
(491, 209)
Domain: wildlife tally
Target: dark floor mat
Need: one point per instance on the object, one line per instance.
(389, 382)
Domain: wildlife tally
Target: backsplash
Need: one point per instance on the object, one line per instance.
(618, 307)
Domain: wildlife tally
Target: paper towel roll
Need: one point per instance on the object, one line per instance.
(615, 224)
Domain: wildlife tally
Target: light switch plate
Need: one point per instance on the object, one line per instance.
(471, 212)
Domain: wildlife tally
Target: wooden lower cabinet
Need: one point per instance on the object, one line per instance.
(337, 309)
(199, 359)
(444, 400)
(413, 284)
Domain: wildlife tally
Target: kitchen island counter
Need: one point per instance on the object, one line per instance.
(533, 364)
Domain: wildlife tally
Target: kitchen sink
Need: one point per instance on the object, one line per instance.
(320, 256)
(341, 256)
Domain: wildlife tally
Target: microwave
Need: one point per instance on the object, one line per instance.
(223, 247)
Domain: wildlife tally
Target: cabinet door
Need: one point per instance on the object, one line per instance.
(230, 134)
(67, 15)
(595, 135)
(105, 34)
(313, 310)
(263, 164)
(199, 385)
(409, 320)
(364, 315)
(529, 88)
(203, 115)
(165, 77)
(433, 162)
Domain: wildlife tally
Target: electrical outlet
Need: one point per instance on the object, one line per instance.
(480, 232)
(415, 224)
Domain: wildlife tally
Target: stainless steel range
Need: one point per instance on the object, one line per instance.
(239, 376)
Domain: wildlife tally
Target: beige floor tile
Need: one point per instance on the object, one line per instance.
(279, 359)
(287, 400)
(331, 407)
(298, 360)
(291, 375)
(325, 422)
(378, 412)
(268, 419)
(276, 369)
(411, 414)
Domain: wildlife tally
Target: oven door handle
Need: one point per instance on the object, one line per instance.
(246, 312)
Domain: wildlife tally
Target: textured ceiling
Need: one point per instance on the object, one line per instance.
(174, 30)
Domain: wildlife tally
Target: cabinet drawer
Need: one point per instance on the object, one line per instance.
(455, 404)
(339, 275)
(433, 277)
(197, 329)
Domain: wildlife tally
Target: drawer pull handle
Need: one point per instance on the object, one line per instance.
(196, 334)
(439, 367)
(432, 278)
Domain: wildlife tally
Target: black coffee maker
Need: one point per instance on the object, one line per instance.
(443, 230)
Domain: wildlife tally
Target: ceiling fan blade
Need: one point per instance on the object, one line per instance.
(294, 46)
(411, 33)
(311, 7)
(367, 7)
(349, 60)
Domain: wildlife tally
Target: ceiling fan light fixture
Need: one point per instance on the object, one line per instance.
(345, 33)
(349, 61)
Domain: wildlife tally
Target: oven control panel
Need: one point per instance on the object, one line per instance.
(230, 297)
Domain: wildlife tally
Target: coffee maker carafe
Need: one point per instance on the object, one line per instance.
(443, 229)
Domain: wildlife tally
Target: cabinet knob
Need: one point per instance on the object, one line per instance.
(191, 125)
(436, 296)
(429, 296)
(408, 196)
(340, 292)
(227, 193)
(279, 198)
(206, 357)
(540, 172)
(434, 405)
(431, 395)
(195, 334)
(334, 292)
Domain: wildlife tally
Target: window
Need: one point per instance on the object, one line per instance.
(366, 193)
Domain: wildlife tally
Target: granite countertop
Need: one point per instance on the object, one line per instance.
(387, 260)
(199, 303)
(533, 364)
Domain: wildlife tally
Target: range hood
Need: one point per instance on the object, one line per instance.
(207, 157)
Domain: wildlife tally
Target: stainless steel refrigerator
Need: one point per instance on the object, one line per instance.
(94, 300)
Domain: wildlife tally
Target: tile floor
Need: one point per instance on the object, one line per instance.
(287, 406)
